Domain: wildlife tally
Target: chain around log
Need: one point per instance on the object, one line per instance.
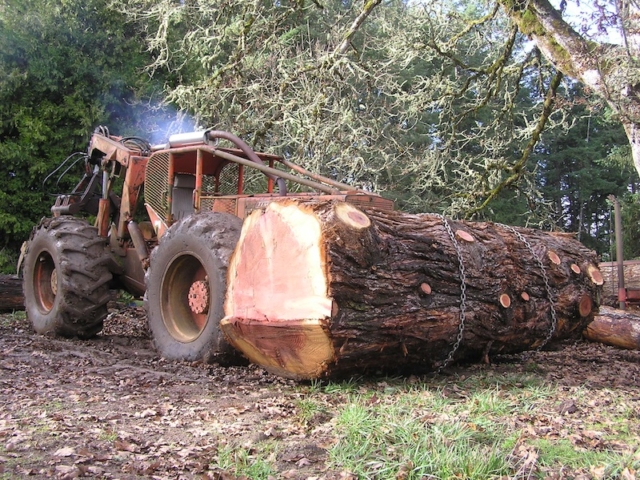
(547, 286)
(463, 293)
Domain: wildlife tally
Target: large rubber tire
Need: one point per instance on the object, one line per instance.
(66, 278)
(190, 265)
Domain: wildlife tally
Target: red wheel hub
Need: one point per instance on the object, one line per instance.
(199, 297)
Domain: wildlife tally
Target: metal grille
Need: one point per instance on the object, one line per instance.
(155, 187)
(225, 205)
(208, 184)
(228, 179)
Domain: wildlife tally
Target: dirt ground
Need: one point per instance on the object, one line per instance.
(111, 408)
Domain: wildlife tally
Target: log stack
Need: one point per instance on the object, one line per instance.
(320, 290)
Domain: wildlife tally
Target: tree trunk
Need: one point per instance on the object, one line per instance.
(323, 289)
(11, 297)
(619, 328)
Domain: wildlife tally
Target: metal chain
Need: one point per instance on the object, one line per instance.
(463, 293)
(547, 286)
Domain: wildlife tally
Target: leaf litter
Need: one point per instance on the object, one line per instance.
(111, 408)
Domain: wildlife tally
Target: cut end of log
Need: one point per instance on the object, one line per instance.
(278, 267)
(594, 274)
(425, 288)
(555, 259)
(467, 237)
(585, 306)
(505, 300)
(525, 296)
(351, 216)
(575, 268)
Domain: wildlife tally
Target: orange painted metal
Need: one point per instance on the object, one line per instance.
(103, 221)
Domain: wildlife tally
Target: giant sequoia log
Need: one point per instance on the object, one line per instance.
(324, 289)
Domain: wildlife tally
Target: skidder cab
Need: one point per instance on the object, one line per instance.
(176, 251)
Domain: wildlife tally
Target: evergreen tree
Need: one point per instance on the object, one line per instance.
(65, 67)
(575, 176)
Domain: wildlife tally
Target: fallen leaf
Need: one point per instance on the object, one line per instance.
(567, 407)
(125, 446)
(597, 472)
(64, 452)
(67, 471)
(628, 474)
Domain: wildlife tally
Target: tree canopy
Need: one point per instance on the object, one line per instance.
(412, 100)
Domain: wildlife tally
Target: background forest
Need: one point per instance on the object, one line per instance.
(442, 106)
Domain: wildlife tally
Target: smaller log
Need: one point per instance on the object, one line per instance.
(619, 328)
(575, 268)
(524, 296)
(426, 288)
(11, 297)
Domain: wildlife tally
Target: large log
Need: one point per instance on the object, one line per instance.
(11, 297)
(323, 289)
(619, 328)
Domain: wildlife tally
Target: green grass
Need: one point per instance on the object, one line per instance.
(108, 435)
(13, 319)
(418, 436)
(308, 408)
(256, 463)
(347, 386)
(473, 428)
(555, 454)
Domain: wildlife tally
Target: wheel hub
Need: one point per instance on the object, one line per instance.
(199, 297)
(54, 282)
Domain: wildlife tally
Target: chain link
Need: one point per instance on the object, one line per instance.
(463, 293)
(547, 286)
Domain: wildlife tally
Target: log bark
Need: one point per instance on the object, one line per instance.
(323, 290)
(11, 297)
(619, 328)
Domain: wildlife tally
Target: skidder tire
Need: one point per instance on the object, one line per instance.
(186, 285)
(66, 278)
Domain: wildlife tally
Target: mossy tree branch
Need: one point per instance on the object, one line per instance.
(516, 171)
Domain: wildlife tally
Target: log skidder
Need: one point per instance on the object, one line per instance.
(66, 278)
(196, 194)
